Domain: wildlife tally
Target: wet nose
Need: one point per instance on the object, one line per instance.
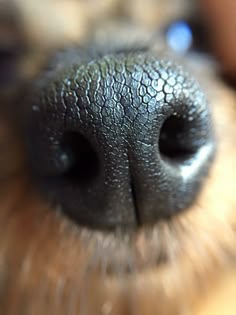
(122, 140)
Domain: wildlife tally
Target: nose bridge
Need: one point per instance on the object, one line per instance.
(125, 106)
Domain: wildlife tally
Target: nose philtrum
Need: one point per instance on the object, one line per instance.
(122, 140)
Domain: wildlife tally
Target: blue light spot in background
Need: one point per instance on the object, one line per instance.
(179, 37)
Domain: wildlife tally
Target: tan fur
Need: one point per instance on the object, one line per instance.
(49, 265)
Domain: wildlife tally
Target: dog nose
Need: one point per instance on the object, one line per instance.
(119, 141)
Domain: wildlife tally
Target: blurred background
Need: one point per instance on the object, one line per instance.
(30, 30)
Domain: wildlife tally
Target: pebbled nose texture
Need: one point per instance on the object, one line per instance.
(121, 140)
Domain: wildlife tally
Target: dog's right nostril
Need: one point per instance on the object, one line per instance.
(81, 160)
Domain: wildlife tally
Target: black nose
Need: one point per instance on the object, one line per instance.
(122, 140)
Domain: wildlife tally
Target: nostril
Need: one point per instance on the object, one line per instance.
(82, 159)
(171, 140)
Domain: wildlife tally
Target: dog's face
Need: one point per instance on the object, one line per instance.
(117, 190)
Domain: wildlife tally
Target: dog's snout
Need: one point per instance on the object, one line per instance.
(119, 141)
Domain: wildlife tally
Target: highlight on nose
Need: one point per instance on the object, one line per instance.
(121, 140)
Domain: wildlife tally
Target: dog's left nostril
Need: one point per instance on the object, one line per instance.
(174, 144)
(122, 140)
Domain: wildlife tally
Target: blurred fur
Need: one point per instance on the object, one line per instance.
(49, 265)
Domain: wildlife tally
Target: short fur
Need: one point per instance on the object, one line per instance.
(49, 265)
